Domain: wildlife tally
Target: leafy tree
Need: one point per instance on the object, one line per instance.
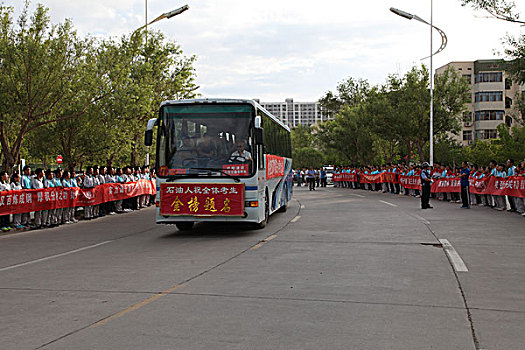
(302, 136)
(350, 92)
(133, 77)
(348, 135)
(500, 9)
(511, 142)
(481, 152)
(305, 157)
(44, 69)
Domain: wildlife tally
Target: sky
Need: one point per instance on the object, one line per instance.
(300, 49)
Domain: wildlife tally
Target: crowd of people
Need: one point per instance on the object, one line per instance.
(91, 177)
(438, 171)
(311, 177)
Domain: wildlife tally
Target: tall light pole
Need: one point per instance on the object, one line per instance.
(167, 15)
(441, 48)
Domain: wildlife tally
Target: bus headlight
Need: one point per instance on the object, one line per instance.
(251, 204)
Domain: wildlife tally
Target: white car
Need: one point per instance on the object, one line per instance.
(329, 173)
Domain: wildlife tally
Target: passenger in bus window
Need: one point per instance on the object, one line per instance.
(241, 155)
(207, 147)
(186, 152)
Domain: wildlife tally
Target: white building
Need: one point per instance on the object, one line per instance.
(493, 94)
(296, 113)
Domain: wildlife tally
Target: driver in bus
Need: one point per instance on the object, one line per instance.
(240, 155)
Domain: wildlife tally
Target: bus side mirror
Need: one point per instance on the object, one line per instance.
(259, 136)
(148, 138)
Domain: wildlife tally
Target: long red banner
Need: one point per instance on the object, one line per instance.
(24, 201)
(510, 186)
(344, 177)
(410, 182)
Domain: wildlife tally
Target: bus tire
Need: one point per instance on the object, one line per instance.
(184, 226)
(263, 223)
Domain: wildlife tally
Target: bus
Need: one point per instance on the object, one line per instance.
(220, 160)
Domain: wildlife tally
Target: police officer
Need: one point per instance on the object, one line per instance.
(426, 183)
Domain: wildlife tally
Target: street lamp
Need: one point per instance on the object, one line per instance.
(167, 15)
(164, 15)
(441, 48)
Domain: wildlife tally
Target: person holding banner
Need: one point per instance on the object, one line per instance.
(26, 185)
(426, 183)
(15, 186)
(4, 186)
(465, 175)
(500, 203)
(511, 171)
(310, 178)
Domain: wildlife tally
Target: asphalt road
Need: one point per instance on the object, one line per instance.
(341, 269)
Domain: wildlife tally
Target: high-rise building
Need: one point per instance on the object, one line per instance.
(296, 113)
(493, 95)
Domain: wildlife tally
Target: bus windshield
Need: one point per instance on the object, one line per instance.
(205, 139)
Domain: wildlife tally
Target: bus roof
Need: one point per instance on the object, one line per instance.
(225, 101)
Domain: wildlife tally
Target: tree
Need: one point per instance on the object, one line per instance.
(511, 142)
(350, 92)
(501, 9)
(348, 136)
(302, 136)
(132, 77)
(306, 157)
(44, 75)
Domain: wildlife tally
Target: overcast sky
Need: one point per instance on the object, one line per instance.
(275, 49)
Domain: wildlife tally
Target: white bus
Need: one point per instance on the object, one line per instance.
(220, 160)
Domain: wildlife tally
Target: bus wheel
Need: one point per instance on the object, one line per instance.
(184, 226)
(263, 223)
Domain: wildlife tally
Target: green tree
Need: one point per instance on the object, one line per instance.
(349, 136)
(44, 69)
(350, 92)
(305, 157)
(302, 136)
(501, 9)
(511, 143)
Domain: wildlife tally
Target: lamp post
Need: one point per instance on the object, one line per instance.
(167, 15)
(441, 48)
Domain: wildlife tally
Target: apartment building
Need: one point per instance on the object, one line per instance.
(493, 94)
(293, 113)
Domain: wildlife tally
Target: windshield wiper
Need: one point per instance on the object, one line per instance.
(236, 178)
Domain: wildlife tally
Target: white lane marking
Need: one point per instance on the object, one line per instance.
(303, 206)
(295, 219)
(454, 257)
(357, 195)
(53, 256)
(425, 221)
(391, 204)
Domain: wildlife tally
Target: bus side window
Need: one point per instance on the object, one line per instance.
(260, 156)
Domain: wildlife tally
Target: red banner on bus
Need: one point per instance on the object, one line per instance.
(201, 199)
(236, 169)
(274, 166)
